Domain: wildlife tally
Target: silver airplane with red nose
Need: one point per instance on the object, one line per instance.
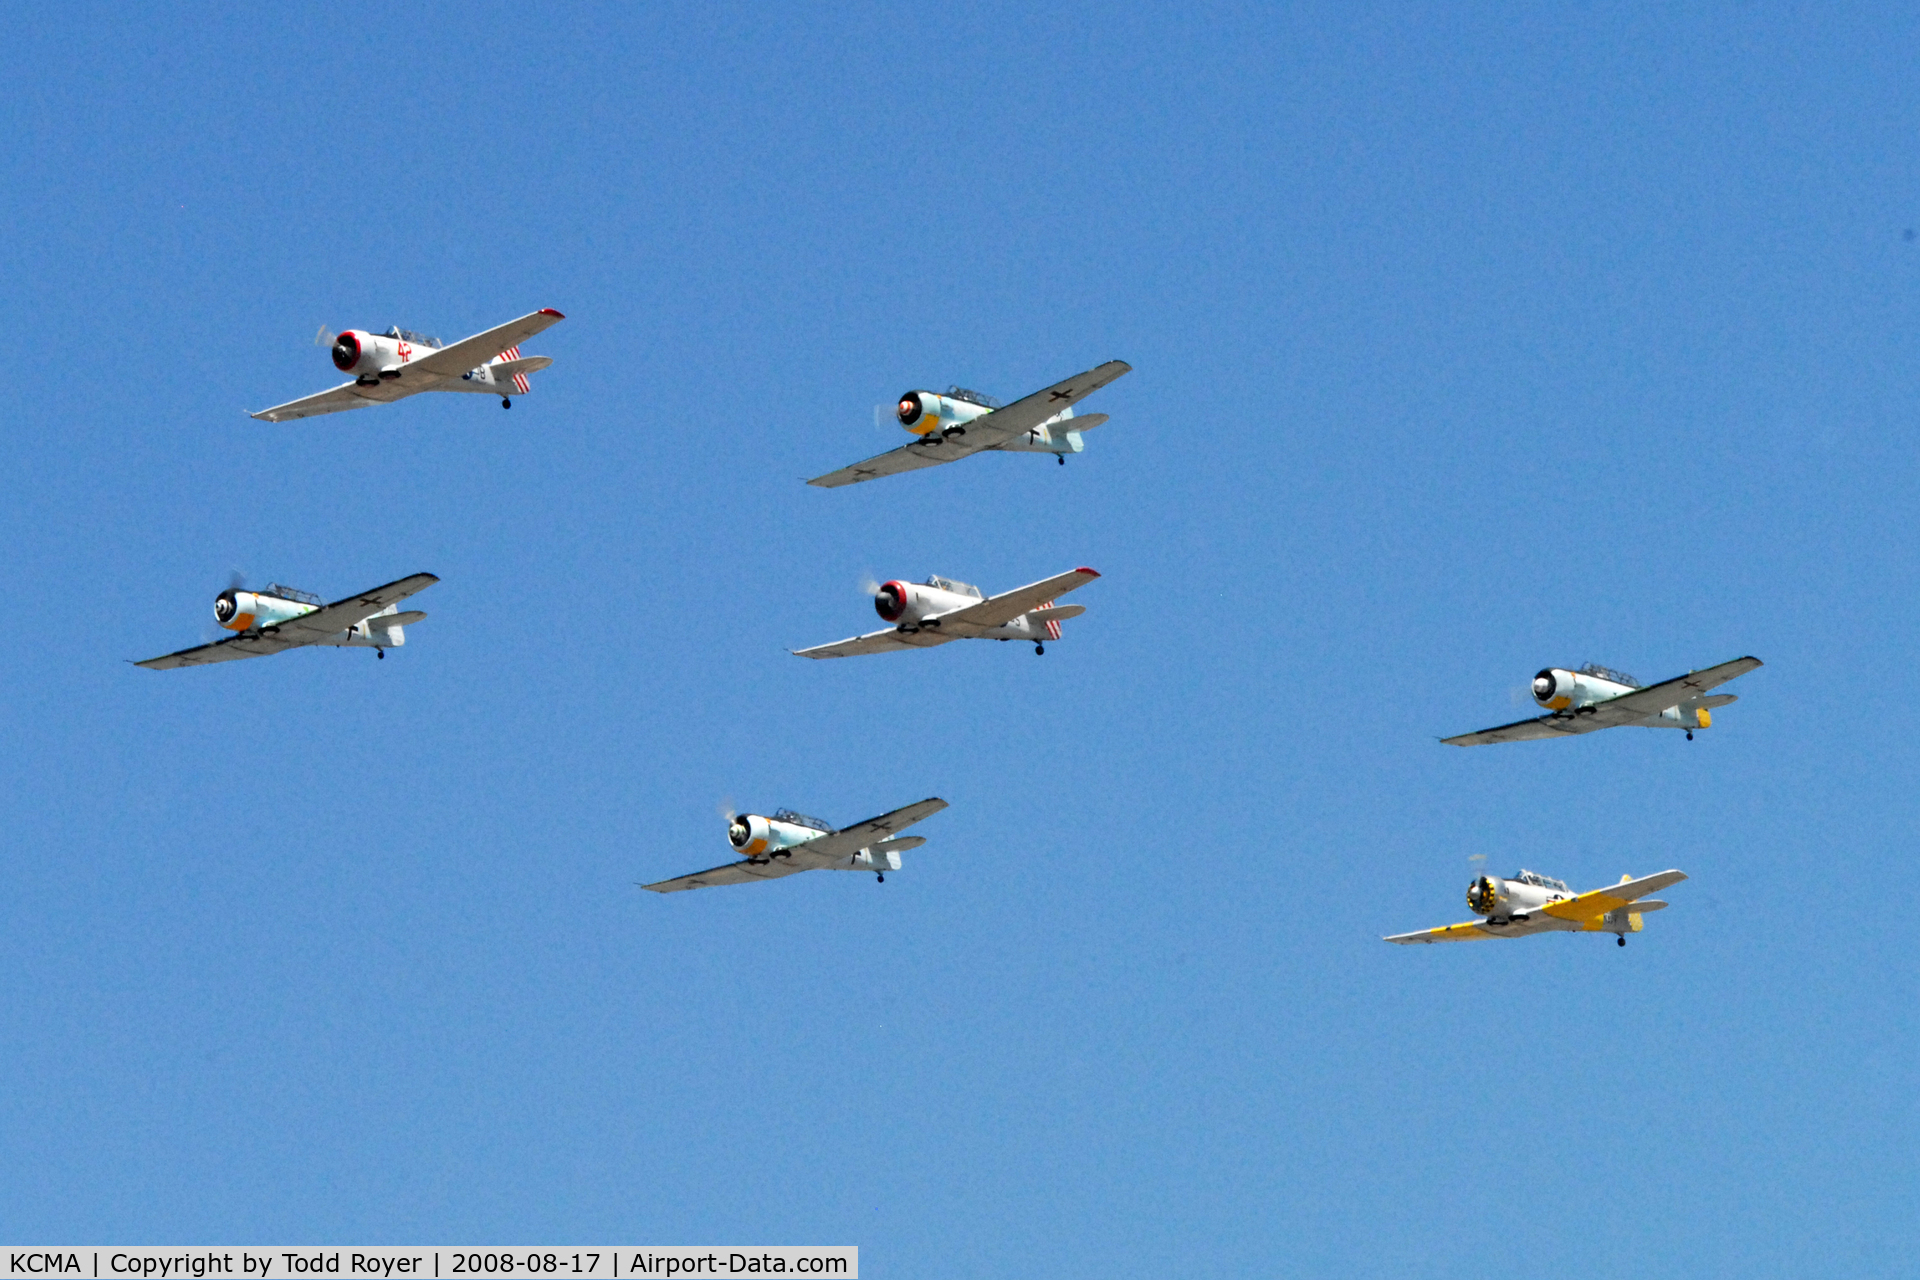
(1596, 697)
(933, 612)
(400, 363)
(961, 423)
(281, 618)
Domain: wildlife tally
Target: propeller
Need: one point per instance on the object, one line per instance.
(869, 584)
(324, 338)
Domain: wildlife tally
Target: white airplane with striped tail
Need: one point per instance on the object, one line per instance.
(789, 842)
(1527, 903)
(962, 423)
(938, 610)
(1596, 697)
(400, 363)
(281, 618)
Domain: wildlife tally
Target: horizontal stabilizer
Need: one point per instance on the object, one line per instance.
(525, 364)
(898, 843)
(1059, 613)
(1085, 422)
(406, 619)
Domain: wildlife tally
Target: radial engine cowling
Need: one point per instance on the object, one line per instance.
(898, 602)
(923, 413)
(358, 352)
(1557, 690)
(748, 833)
(1488, 896)
(238, 610)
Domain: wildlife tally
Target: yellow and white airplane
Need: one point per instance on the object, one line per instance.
(789, 842)
(961, 423)
(1515, 906)
(1596, 697)
(399, 363)
(940, 609)
(282, 618)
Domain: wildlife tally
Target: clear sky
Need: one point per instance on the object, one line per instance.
(1466, 342)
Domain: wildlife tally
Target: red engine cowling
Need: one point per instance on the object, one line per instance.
(899, 601)
(365, 354)
(348, 350)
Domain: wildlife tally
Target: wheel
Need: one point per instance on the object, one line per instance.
(505, 403)
(1689, 735)
(882, 879)
(380, 653)
(1060, 458)
(1621, 941)
(1039, 650)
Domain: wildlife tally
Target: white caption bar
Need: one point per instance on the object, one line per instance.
(431, 1262)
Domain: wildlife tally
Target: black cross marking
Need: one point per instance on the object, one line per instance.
(1061, 395)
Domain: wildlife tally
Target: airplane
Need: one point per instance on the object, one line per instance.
(1531, 903)
(789, 842)
(282, 618)
(940, 609)
(1596, 697)
(961, 422)
(399, 363)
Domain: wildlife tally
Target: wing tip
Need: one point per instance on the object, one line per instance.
(549, 311)
(1091, 573)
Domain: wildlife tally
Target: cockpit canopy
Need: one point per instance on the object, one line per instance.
(801, 820)
(1608, 673)
(293, 593)
(958, 588)
(973, 397)
(1539, 881)
(408, 335)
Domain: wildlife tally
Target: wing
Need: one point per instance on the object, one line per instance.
(1468, 932)
(1554, 726)
(471, 353)
(876, 642)
(1590, 906)
(1024, 415)
(345, 396)
(862, 835)
(1005, 607)
(241, 646)
(745, 872)
(989, 431)
(929, 452)
(1655, 698)
(338, 616)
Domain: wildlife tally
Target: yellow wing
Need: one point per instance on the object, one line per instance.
(1588, 909)
(1467, 932)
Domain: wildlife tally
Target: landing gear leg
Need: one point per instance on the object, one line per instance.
(1621, 940)
(505, 403)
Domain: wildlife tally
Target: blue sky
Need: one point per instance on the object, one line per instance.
(1466, 342)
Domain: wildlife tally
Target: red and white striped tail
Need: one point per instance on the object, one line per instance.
(519, 379)
(1053, 628)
